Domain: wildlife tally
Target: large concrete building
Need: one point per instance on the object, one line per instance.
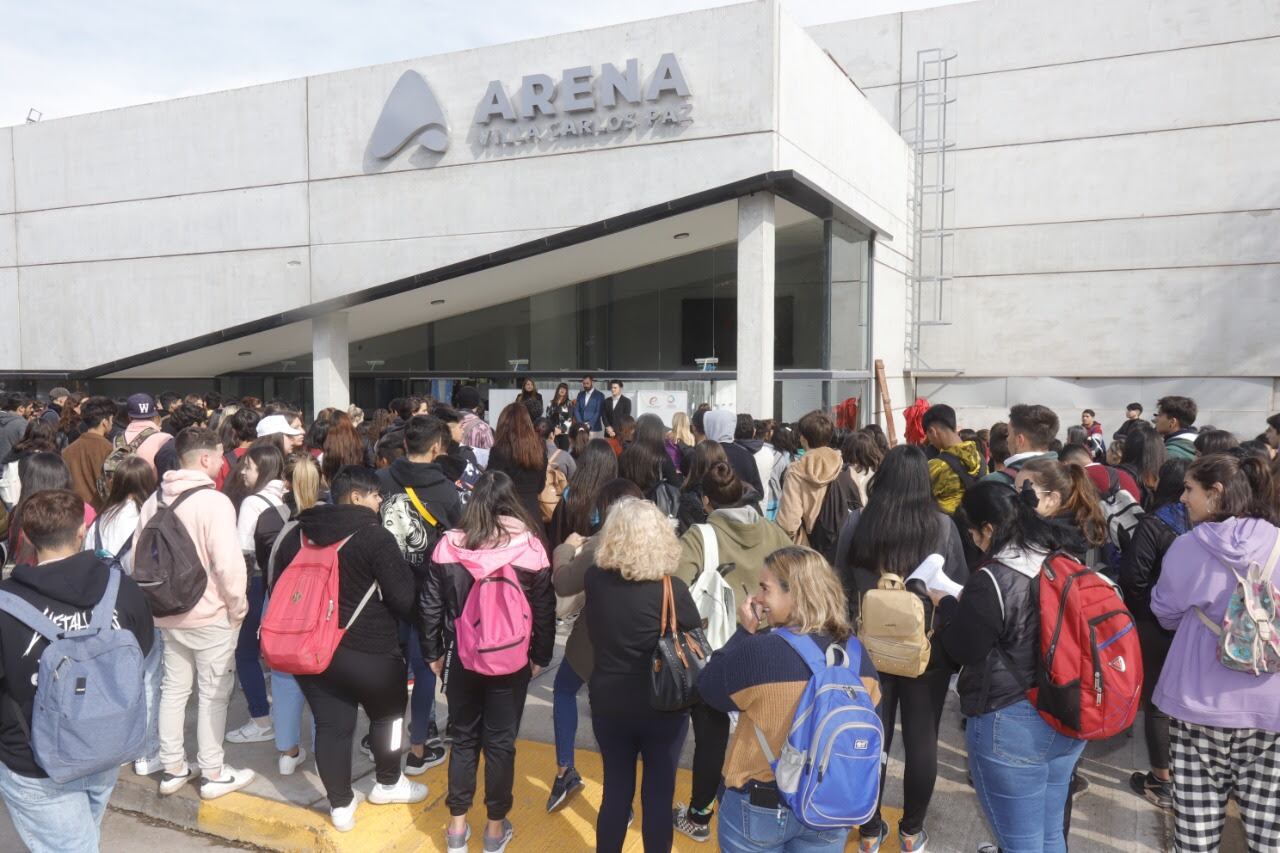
(721, 184)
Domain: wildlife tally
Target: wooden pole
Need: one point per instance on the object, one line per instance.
(886, 404)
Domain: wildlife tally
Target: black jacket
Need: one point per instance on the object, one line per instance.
(611, 416)
(622, 621)
(449, 580)
(371, 554)
(1141, 563)
(995, 635)
(66, 591)
(415, 536)
(743, 464)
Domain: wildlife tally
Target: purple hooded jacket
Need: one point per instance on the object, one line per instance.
(1194, 686)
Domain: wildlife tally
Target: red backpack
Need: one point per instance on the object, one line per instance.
(300, 630)
(1089, 677)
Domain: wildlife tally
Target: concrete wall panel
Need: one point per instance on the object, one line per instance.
(866, 48)
(1185, 171)
(6, 170)
(885, 100)
(260, 218)
(829, 122)
(722, 53)
(8, 241)
(10, 321)
(1149, 243)
(1196, 87)
(1189, 322)
(241, 138)
(996, 35)
(344, 267)
(180, 298)
(516, 195)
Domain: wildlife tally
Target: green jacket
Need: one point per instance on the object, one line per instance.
(1181, 446)
(744, 538)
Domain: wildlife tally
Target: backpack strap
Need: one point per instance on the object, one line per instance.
(275, 549)
(105, 609)
(359, 607)
(27, 614)
(953, 462)
(813, 658)
(710, 547)
(421, 507)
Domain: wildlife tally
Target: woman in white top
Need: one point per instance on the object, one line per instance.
(112, 532)
(263, 470)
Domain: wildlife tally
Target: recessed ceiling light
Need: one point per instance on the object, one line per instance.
(682, 235)
(245, 352)
(437, 301)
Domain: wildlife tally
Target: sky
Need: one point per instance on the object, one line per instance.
(67, 57)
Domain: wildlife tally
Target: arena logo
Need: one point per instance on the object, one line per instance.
(411, 112)
(605, 97)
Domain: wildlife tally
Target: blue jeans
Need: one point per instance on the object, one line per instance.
(53, 818)
(152, 677)
(248, 656)
(1021, 770)
(564, 712)
(744, 828)
(422, 702)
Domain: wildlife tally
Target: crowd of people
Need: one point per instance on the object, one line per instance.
(709, 573)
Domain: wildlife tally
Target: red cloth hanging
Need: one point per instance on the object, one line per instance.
(914, 416)
(847, 413)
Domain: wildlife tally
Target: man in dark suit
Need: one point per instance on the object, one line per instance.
(588, 405)
(616, 407)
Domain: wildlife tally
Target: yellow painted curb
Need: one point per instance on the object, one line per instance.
(420, 827)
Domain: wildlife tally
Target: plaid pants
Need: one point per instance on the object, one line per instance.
(1208, 765)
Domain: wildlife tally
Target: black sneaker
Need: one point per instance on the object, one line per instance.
(1147, 786)
(432, 756)
(433, 735)
(1079, 785)
(563, 787)
(366, 746)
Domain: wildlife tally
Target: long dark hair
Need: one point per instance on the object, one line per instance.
(133, 481)
(1013, 518)
(341, 446)
(1173, 475)
(861, 451)
(516, 438)
(642, 465)
(1143, 454)
(706, 454)
(555, 399)
(39, 472)
(1247, 488)
(493, 498)
(651, 431)
(269, 461)
(40, 436)
(899, 525)
(597, 465)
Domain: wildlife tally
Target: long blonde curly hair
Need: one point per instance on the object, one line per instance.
(637, 541)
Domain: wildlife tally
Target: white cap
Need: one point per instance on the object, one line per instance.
(276, 424)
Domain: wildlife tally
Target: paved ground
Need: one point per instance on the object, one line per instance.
(1107, 818)
(128, 833)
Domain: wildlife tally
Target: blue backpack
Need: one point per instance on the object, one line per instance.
(90, 712)
(829, 771)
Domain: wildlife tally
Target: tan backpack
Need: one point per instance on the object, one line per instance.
(894, 628)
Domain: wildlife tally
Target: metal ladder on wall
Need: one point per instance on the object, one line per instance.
(932, 200)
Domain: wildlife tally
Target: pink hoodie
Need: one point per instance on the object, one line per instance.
(148, 449)
(211, 520)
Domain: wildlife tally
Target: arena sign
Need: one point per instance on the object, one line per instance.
(584, 104)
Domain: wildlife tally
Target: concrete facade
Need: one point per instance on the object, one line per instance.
(1113, 208)
(181, 219)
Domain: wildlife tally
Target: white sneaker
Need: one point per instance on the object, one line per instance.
(171, 783)
(147, 766)
(290, 763)
(344, 819)
(231, 779)
(403, 791)
(251, 732)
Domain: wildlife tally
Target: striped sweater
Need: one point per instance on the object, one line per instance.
(761, 676)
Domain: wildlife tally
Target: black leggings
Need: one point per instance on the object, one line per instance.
(657, 740)
(920, 700)
(710, 742)
(484, 713)
(1155, 643)
(353, 679)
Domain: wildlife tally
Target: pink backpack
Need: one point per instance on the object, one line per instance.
(496, 625)
(300, 630)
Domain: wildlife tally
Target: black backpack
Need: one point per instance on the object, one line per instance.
(166, 565)
(667, 498)
(841, 499)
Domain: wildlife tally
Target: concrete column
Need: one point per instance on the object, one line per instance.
(755, 305)
(330, 368)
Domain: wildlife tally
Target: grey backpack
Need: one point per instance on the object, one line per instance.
(166, 565)
(90, 713)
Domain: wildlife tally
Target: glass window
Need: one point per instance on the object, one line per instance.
(850, 318)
